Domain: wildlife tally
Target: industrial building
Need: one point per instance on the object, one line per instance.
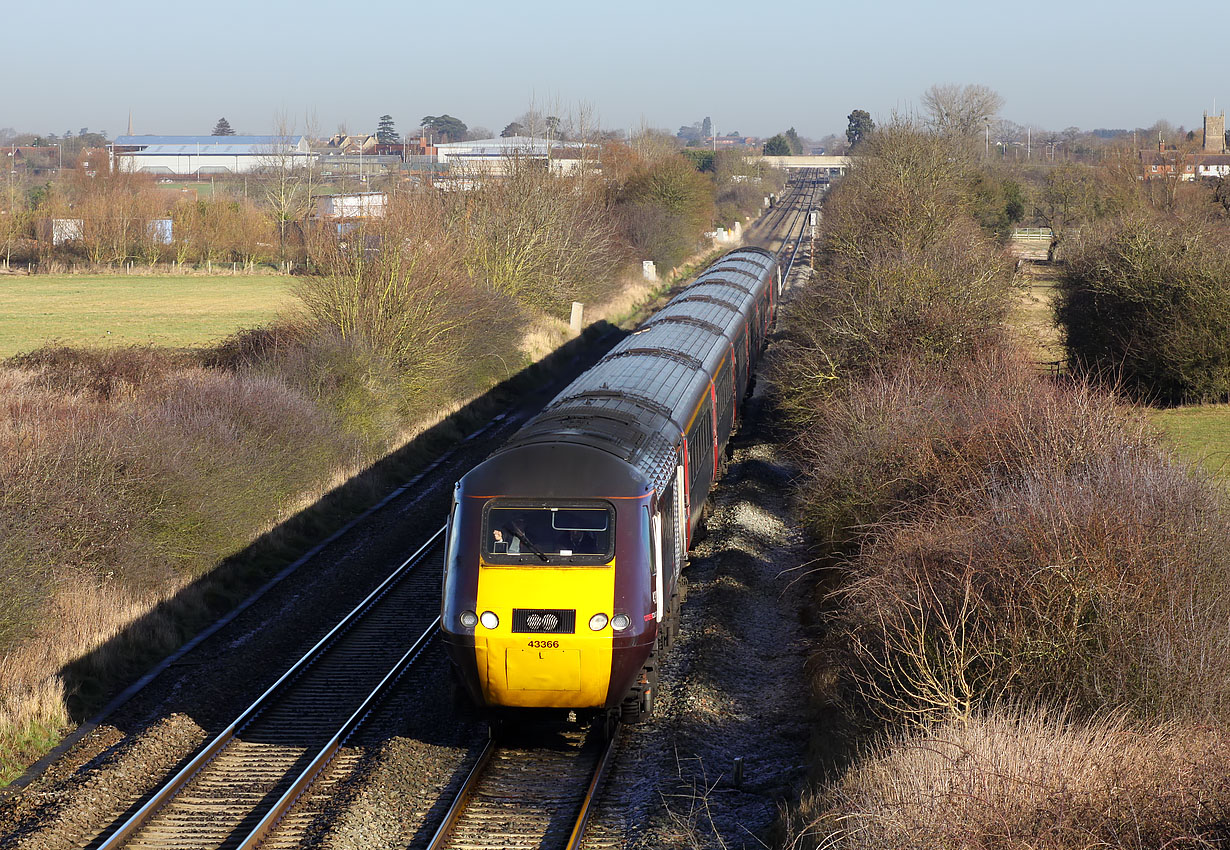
(191, 156)
(491, 156)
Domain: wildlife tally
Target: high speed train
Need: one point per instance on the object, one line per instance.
(561, 577)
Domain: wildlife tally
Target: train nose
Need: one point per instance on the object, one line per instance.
(550, 668)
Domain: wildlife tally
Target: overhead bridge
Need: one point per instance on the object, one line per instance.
(828, 165)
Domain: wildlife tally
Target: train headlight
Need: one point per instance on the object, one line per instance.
(489, 619)
(469, 619)
(597, 622)
(620, 622)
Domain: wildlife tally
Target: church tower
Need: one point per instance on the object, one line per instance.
(1214, 133)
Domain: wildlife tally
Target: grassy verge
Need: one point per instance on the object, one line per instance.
(1201, 435)
(118, 310)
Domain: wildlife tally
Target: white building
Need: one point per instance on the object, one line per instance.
(352, 205)
(205, 155)
(1213, 165)
(491, 156)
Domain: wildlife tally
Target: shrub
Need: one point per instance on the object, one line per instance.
(1011, 779)
(904, 274)
(393, 316)
(666, 206)
(124, 475)
(1018, 538)
(540, 240)
(1146, 302)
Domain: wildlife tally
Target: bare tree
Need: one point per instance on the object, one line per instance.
(15, 215)
(287, 182)
(960, 111)
(538, 238)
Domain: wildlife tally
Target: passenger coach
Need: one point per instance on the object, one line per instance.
(564, 548)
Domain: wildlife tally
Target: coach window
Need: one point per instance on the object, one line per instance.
(563, 534)
(725, 395)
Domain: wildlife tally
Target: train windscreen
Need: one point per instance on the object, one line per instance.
(548, 534)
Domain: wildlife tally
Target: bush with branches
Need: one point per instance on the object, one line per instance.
(541, 240)
(1145, 301)
(392, 315)
(906, 272)
(666, 204)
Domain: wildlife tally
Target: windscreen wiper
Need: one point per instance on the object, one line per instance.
(520, 535)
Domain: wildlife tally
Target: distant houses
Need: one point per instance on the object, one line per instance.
(1212, 160)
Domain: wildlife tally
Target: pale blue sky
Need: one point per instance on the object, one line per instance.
(754, 67)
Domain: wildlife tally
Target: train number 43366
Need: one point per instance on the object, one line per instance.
(544, 644)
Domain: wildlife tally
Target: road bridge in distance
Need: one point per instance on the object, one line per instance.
(830, 166)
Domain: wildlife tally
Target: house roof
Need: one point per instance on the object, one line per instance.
(502, 146)
(214, 150)
(134, 141)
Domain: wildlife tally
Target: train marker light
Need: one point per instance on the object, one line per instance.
(620, 622)
(597, 622)
(469, 619)
(489, 619)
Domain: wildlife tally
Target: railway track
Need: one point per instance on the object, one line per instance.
(236, 789)
(535, 790)
(800, 202)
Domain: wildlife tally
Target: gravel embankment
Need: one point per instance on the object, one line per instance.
(734, 685)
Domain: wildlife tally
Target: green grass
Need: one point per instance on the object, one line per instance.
(174, 310)
(1201, 434)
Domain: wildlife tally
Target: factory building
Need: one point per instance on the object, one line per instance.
(191, 156)
(491, 156)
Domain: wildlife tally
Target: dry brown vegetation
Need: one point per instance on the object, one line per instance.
(1026, 594)
(1012, 779)
(124, 475)
(1021, 540)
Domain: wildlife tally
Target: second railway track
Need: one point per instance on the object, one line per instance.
(232, 793)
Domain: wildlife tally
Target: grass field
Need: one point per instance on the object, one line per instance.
(1201, 434)
(169, 310)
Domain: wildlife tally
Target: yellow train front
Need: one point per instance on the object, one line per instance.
(548, 594)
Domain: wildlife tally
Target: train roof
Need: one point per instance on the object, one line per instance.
(552, 468)
(691, 342)
(658, 379)
(635, 403)
(706, 312)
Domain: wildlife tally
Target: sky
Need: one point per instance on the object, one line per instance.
(755, 68)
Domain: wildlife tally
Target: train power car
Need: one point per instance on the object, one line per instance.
(564, 547)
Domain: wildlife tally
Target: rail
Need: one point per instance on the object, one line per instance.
(524, 790)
